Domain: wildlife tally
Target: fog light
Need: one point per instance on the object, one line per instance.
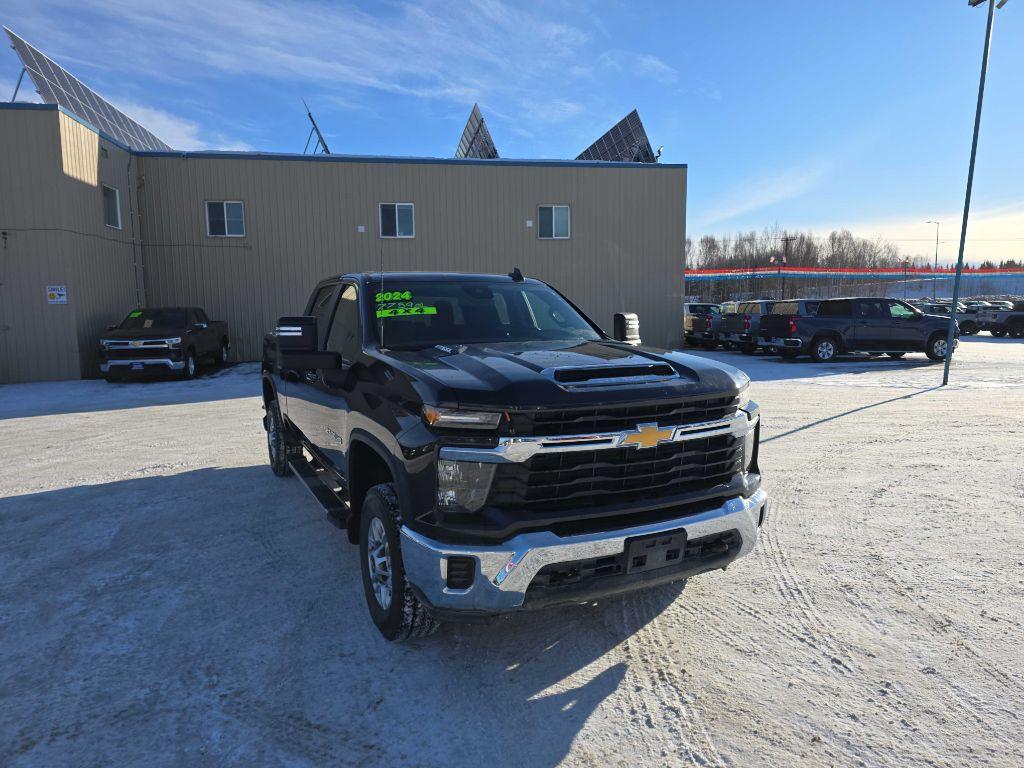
(463, 485)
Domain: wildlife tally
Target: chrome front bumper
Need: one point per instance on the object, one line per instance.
(149, 362)
(504, 572)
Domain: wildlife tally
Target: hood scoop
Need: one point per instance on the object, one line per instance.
(601, 375)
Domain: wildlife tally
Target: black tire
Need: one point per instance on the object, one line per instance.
(747, 348)
(896, 355)
(278, 447)
(936, 347)
(788, 354)
(223, 354)
(689, 341)
(709, 345)
(824, 349)
(191, 367)
(402, 616)
(968, 328)
(998, 332)
(1017, 331)
(113, 378)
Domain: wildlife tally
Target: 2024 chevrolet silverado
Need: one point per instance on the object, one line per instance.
(490, 449)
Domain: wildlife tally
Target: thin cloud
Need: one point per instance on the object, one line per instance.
(758, 193)
(179, 132)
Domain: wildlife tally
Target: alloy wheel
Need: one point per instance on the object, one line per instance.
(378, 562)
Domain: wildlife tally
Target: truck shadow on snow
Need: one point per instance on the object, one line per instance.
(218, 612)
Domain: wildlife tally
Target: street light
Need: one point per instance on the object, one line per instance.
(935, 270)
(970, 181)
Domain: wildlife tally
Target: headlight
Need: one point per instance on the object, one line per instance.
(104, 343)
(462, 486)
(175, 342)
(744, 398)
(453, 419)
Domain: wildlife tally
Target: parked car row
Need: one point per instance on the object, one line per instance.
(826, 328)
(1000, 318)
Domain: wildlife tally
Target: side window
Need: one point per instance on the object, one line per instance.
(111, 207)
(812, 307)
(900, 312)
(344, 336)
(201, 316)
(553, 222)
(225, 218)
(836, 308)
(323, 303)
(874, 309)
(397, 220)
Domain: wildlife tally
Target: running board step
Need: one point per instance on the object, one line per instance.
(335, 506)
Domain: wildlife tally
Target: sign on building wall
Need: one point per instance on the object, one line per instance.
(56, 294)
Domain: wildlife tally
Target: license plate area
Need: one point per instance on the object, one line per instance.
(648, 553)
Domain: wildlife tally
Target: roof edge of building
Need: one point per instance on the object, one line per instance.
(236, 155)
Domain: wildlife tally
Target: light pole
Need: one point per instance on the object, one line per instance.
(970, 181)
(935, 270)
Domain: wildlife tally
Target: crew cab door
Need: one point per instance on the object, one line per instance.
(872, 325)
(298, 407)
(200, 325)
(907, 329)
(322, 396)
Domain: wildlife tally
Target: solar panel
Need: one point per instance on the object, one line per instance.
(55, 85)
(476, 139)
(625, 142)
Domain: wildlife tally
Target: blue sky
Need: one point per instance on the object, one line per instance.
(805, 113)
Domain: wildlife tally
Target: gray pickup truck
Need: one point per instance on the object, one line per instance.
(701, 323)
(864, 325)
(1001, 322)
(742, 328)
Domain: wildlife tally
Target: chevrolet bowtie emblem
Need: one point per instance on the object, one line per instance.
(648, 436)
(136, 343)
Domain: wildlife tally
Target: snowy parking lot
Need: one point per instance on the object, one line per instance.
(166, 600)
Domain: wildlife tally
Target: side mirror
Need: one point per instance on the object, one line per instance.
(626, 328)
(200, 326)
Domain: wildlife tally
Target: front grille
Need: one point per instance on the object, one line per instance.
(139, 353)
(570, 479)
(615, 418)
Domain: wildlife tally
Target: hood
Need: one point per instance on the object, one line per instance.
(564, 374)
(142, 333)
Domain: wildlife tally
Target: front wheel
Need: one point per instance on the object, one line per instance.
(1017, 331)
(277, 441)
(397, 612)
(998, 332)
(937, 347)
(824, 350)
(968, 328)
(188, 370)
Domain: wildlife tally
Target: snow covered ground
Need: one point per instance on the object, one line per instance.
(166, 600)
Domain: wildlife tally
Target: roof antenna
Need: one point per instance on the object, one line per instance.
(315, 129)
(380, 316)
(516, 275)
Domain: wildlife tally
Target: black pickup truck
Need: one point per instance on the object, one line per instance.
(860, 325)
(491, 450)
(742, 328)
(163, 340)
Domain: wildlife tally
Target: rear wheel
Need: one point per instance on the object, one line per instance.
(223, 354)
(397, 612)
(1017, 330)
(824, 350)
(998, 332)
(709, 345)
(747, 348)
(968, 328)
(936, 347)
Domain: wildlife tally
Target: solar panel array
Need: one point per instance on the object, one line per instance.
(56, 85)
(476, 139)
(626, 142)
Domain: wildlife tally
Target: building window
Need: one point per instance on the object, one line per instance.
(111, 207)
(225, 218)
(554, 222)
(397, 220)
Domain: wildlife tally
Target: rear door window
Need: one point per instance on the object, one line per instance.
(842, 308)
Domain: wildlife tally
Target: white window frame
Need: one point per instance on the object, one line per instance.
(568, 208)
(117, 202)
(206, 213)
(380, 221)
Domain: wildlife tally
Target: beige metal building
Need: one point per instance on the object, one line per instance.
(87, 221)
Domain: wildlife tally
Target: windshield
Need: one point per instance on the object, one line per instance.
(418, 314)
(153, 318)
